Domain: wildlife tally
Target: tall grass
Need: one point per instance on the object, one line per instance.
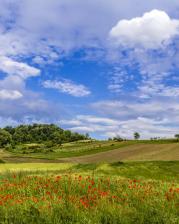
(74, 198)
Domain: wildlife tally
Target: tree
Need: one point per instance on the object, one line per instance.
(57, 138)
(5, 138)
(177, 137)
(9, 129)
(136, 135)
(87, 136)
(118, 138)
(42, 133)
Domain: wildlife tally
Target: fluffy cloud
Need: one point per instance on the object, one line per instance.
(20, 69)
(10, 94)
(156, 88)
(148, 128)
(146, 73)
(105, 127)
(43, 28)
(43, 32)
(89, 119)
(164, 108)
(67, 86)
(13, 85)
(152, 117)
(13, 88)
(149, 31)
(89, 123)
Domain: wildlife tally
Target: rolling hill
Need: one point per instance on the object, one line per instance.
(97, 152)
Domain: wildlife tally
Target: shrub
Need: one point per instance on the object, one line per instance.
(5, 138)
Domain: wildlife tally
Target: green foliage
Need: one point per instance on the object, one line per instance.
(38, 133)
(118, 138)
(9, 147)
(76, 149)
(136, 135)
(5, 138)
(46, 197)
(177, 137)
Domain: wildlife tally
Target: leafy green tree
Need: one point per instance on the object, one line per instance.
(9, 129)
(136, 135)
(41, 133)
(177, 137)
(5, 138)
(57, 138)
(118, 138)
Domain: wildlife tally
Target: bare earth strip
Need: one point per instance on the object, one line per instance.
(138, 152)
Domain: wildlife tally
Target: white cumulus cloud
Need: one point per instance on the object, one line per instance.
(149, 31)
(69, 87)
(10, 94)
(21, 69)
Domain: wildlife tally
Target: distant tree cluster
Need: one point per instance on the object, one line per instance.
(38, 133)
(117, 139)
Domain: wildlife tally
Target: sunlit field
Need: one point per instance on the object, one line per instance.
(91, 193)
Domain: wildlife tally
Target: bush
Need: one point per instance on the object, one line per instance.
(5, 138)
(49, 144)
(9, 147)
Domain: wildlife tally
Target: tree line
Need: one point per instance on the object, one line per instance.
(38, 133)
(137, 137)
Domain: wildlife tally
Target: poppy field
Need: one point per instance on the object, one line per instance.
(47, 197)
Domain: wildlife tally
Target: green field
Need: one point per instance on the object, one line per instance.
(129, 192)
(159, 170)
(100, 182)
(96, 152)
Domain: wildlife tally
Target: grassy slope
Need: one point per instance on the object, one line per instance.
(156, 170)
(132, 192)
(72, 150)
(100, 151)
(137, 152)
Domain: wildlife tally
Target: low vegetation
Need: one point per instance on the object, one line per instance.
(92, 193)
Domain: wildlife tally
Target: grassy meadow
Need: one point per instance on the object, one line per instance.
(100, 182)
(122, 192)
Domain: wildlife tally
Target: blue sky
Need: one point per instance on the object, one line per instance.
(103, 67)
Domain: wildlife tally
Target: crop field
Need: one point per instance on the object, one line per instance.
(133, 192)
(96, 152)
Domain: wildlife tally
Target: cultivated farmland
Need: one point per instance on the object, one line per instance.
(96, 152)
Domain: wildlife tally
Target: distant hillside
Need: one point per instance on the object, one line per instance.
(131, 152)
(38, 133)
